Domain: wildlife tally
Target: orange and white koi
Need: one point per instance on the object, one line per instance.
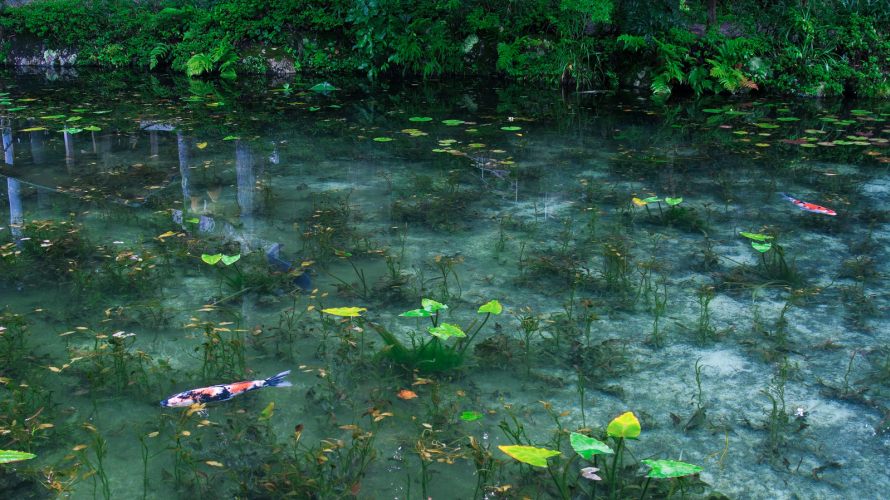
(223, 392)
(809, 207)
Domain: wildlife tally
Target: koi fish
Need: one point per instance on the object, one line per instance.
(809, 207)
(223, 392)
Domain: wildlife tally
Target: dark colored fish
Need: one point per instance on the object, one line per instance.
(303, 281)
(809, 207)
(223, 392)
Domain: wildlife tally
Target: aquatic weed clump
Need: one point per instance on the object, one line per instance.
(772, 267)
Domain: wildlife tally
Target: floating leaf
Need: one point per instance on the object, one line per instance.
(736, 113)
(53, 117)
(762, 145)
(787, 119)
(476, 145)
(766, 125)
(7, 456)
(469, 416)
(92, 128)
(33, 129)
(383, 139)
(431, 305)
(761, 247)
(202, 145)
(446, 330)
(493, 307)
(192, 221)
(15, 109)
(213, 463)
(342, 254)
(230, 138)
(529, 454)
(267, 412)
(715, 111)
(347, 312)
(230, 259)
(625, 426)
(588, 447)
(420, 119)
(417, 313)
(406, 394)
(323, 87)
(671, 468)
(211, 259)
(74, 119)
(312, 108)
(638, 202)
(510, 129)
(102, 112)
(651, 199)
(755, 236)
(673, 201)
(71, 130)
(814, 131)
(452, 123)
(27, 100)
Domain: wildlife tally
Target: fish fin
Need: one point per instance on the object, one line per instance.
(278, 380)
(304, 282)
(273, 252)
(786, 196)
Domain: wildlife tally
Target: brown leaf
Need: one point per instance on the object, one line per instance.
(355, 488)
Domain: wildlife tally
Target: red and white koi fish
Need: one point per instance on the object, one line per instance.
(223, 392)
(809, 207)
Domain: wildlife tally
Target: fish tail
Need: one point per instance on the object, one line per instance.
(786, 196)
(278, 380)
(273, 252)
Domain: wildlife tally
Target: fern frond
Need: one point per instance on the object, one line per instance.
(198, 64)
(506, 53)
(160, 51)
(745, 82)
(661, 84)
(633, 43)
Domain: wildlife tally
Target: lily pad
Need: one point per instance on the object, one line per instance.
(493, 307)
(211, 259)
(625, 426)
(348, 312)
(102, 112)
(420, 119)
(267, 412)
(529, 454)
(230, 259)
(92, 128)
(446, 330)
(383, 139)
(671, 468)
(71, 130)
(33, 129)
(52, 117)
(229, 138)
(787, 119)
(755, 236)
(452, 123)
(469, 416)
(431, 305)
(417, 313)
(323, 87)
(510, 129)
(761, 247)
(74, 119)
(673, 201)
(588, 447)
(16, 109)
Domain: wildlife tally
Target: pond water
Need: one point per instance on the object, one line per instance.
(640, 254)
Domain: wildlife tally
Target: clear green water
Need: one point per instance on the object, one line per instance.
(539, 218)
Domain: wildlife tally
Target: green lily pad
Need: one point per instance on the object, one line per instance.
(493, 307)
(229, 138)
(348, 312)
(736, 113)
(312, 108)
(7, 456)
(52, 117)
(671, 468)
(102, 112)
(71, 130)
(446, 330)
(267, 412)
(74, 119)
(334, 106)
(476, 145)
(755, 236)
(715, 111)
(469, 416)
(417, 313)
(323, 87)
(420, 119)
(766, 125)
(16, 109)
(673, 201)
(192, 221)
(440, 151)
(510, 129)
(92, 128)
(211, 259)
(761, 247)
(625, 426)
(431, 305)
(651, 199)
(452, 123)
(383, 139)
(787, 119)
(860, 112)
(529, 454)
(588, 447)
(230, 259)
